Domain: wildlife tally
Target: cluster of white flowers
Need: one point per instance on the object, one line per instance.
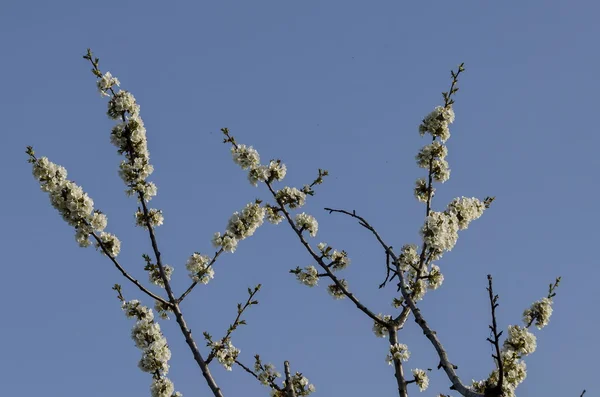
(291, 197)
(515, 372)
(409, 258)
(273, 215)
(155, 352)
(156, 279)
(380, 330)
(437, 122)
(440, 232)
(540, 312)
(432, 157)
(129, 136)
(337, 292)
(266, 373)
(300, 384)
(197, 265)
(155, 218)
(111, 244)
(435, 278)
(421, 379)
(240, 226)
(248, 158)
(307, 222)
(225, 352)
(520, 340)
(106, 82)
(339, 260)
(421, 191)
(398, 351)
(308, 276)
(418, 289)
(74, 205)
(466, 210)
(162, 309)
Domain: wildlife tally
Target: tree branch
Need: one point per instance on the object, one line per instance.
(497, 390)
(399, 371)
(289, 387)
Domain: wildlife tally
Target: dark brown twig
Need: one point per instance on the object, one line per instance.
(496, 390)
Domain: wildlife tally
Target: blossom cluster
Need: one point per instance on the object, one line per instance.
(308, 276)
(437, 122)
(440, 231)
(518, 343)
(240, 226)
(307, 222)
(155, 352)
(249, 159)
(380, 330)
(225, 352)
(198, 266)
(336, 291)
(300, 384)
(291, 197)
(421, 379)
(398, 351)
(129, 136)
(73, 204)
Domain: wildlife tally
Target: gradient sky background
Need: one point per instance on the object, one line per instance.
(340, 85)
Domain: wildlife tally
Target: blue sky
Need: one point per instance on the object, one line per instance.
(340, 85)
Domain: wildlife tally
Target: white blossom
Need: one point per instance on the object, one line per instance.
(106, 82)
(380, 330)
(421, 379)
(430, 152)
(226, 353)
(245, 157)
(520, 340)
(435, 278)
(227, 241)
(335, 291)
(540, 312)
(243, 225)
(398, 351)
(436, 123)
(291, 197)
(111, 243)
(121, 102)
(440, 232)
(466, 210)
(308, 276)
(273, 216)
(421, 191)
(154, 216)
(307, 222)
(156, 279)
(339, 260)
(197, 265)
(409, 258)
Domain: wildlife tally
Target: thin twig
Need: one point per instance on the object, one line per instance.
(496, 390)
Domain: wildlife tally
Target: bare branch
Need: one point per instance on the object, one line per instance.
(496, 390)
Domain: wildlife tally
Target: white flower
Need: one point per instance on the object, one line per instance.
(307, 222)
(380, 330)
(440, 232)
(226, 353)
(435, 278)
(421, 191)
(430, 152)
(197, 265)
(540, 312)
(437, 122)
(106, 82)
(154, 216)
(258, 173)
(245, 157)
(98, 221)
(156, 279)
(273, 216)
(228, 242)
(339, 260)
(308, 276)
(421, 379)
(337, 292)
(409, 258)
(291, 197)
(243, 225)
(520, 340)
(121, 102)
(162, 387)
(277, 170)
(466, 210)
(398, 351)
(111, 243)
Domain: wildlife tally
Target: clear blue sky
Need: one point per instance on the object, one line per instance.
(340, 85)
